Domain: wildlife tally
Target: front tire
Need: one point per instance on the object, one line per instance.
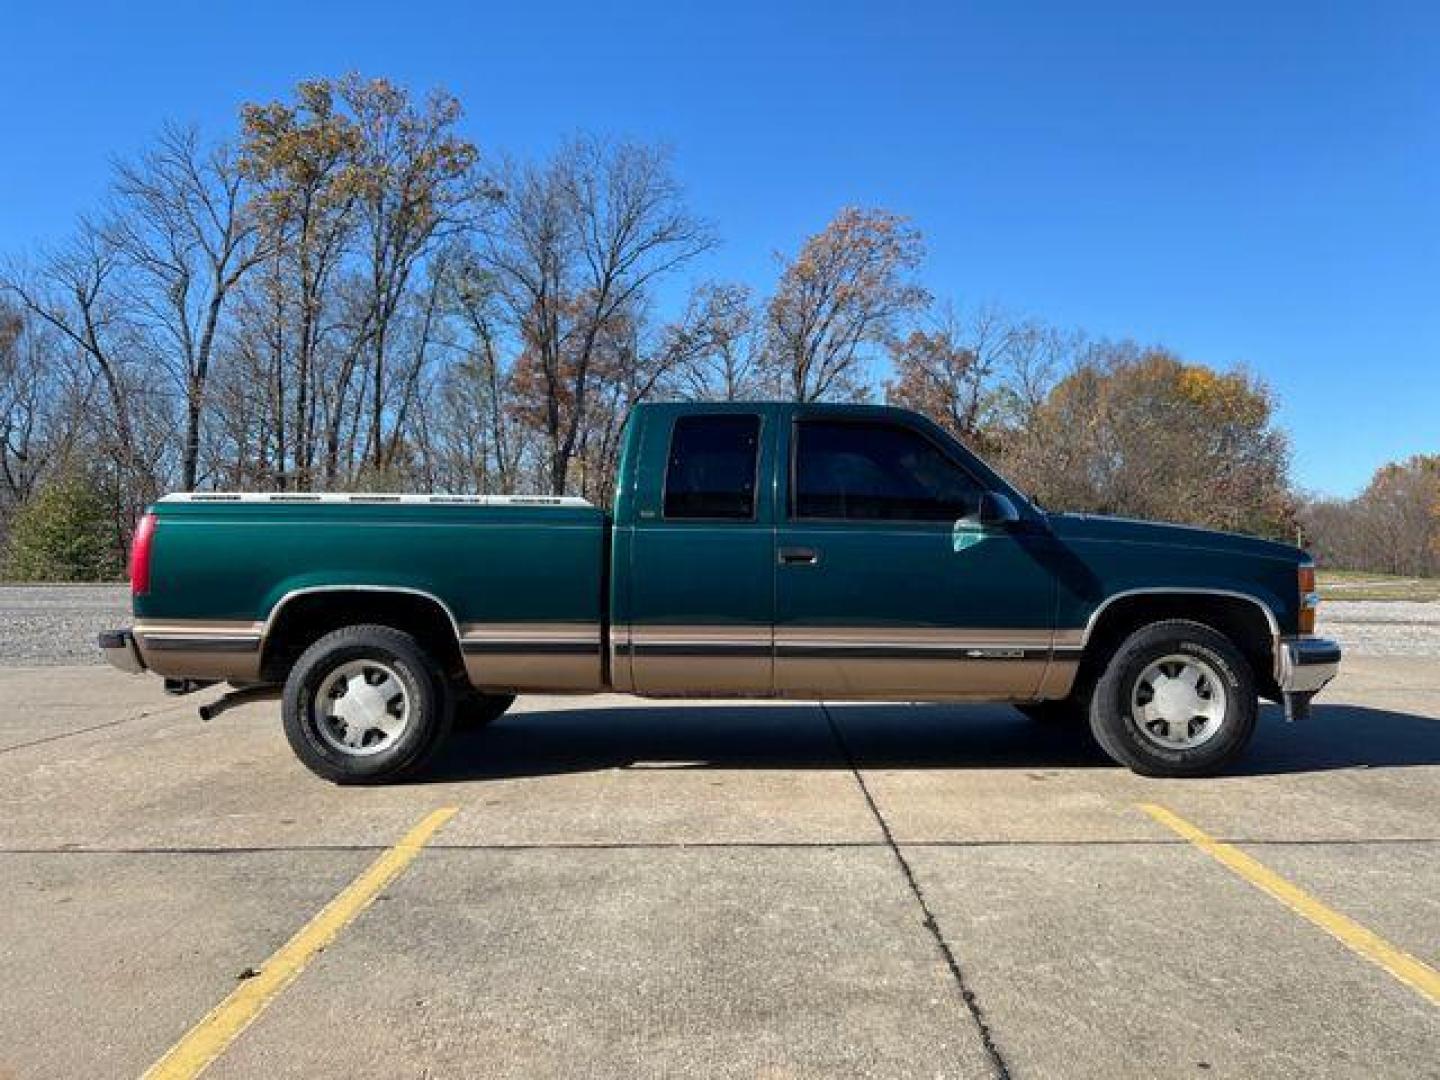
(366, 705)
(1177, 699)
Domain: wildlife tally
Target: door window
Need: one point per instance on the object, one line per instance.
(711, 469)
(877, 472)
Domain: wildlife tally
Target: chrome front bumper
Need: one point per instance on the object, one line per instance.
(1307, 664)
(120, 651)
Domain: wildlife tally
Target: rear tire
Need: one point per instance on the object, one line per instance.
(1177, 699)
(366, 705)
(474, 710)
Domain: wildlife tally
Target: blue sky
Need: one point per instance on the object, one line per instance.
(1252, 184)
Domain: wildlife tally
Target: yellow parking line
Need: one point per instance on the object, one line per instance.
(1414, 973)
(208, 1039)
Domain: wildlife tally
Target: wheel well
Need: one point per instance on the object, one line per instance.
(305, 619)
(1242, 621)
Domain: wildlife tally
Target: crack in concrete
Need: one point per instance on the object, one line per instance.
(94, 727)
(967, 995)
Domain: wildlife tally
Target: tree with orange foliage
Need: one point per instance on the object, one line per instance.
(1139, 432)
(416, 184)
(303, 159)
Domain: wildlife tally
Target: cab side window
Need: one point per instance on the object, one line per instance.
(711, 469)
(865, 471)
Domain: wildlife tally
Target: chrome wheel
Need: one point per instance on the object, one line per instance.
(362, 708)
(1179, 702)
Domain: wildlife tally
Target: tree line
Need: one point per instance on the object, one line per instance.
(1393, 526)
(346, 293)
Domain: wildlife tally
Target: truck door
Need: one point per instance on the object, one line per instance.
(701, 599)
(886, 585)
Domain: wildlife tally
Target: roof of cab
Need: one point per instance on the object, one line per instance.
(829, 408)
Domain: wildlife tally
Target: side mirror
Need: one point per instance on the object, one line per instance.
(997, 510)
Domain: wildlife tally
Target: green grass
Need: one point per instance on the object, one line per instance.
(1362, 585)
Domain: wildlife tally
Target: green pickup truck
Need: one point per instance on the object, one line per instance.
(754, 550)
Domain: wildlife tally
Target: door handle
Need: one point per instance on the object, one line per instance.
(799, 556)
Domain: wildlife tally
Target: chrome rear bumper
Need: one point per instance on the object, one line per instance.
(120, 651)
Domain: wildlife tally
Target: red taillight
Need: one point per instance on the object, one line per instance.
(140, 556)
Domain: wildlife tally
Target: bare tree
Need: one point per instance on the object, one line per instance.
(184, 224)
(844, 293)
(641, 360)
(25, 394)
(982, 374)
(1393, 526)
(723, 362)
(78, 293)
(577, 242)
(482, 379)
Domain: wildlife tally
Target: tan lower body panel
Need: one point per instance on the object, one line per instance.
(943, 663)
(1064, 664)
(204, 650)
(533, 656)
(883, 677)
(1059, 678)
(701, 660)
(858, 662)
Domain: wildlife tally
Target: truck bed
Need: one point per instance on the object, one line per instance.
(521, 578)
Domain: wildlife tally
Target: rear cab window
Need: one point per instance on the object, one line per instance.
(711, 469)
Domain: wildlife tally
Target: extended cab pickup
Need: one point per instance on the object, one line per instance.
(762, 550)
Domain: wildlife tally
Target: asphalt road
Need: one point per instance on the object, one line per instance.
(646, 890)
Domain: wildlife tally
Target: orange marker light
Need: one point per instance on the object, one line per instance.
(1309, 598)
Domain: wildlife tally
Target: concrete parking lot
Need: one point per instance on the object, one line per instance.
(776, 890)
